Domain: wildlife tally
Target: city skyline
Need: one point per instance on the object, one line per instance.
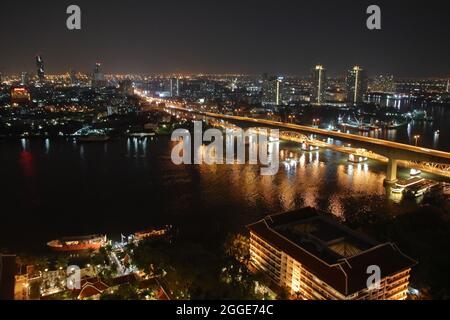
(259, 37)
(224, 155)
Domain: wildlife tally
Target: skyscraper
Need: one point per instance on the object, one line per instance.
(73, 78)
(174, 84)
(98, 79)
(271, 90)
(40, 68)
(318, 84)
(25, 79)
(356, 85)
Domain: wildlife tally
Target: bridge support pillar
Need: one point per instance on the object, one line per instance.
(391, 174)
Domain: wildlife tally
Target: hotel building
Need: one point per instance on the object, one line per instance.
(318, 259)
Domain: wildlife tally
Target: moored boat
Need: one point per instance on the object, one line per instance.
(69, 244)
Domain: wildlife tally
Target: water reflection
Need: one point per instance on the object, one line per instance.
(110, 182)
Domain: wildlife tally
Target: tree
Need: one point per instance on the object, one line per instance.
(124, 292)
(62, 262)
(238, 246)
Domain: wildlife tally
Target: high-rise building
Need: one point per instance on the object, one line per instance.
(40, 68)
(356, 85)
(271, 90)
(319, 79)
(174, 87)
(316, 258)
(98, 79)
(383, 83)
(25, 79)
(73, 78)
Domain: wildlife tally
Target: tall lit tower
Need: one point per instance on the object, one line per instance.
(98, 79)
(174, 87)
(356, 85)
(40, 68)
(25, 79)
(271, 90)
(319, 79)
(278, 91)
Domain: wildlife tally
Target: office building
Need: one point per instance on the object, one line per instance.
(318, 80)
(174, 87)
(98, 79)
(25, 79)
(316, 258)
(40, 68)
(271, 90)
(356, 85)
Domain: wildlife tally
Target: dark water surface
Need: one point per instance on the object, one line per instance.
(54, 188)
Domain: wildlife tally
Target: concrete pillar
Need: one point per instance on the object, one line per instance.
(391, 174)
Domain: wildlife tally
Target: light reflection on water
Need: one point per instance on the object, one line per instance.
(127, 185)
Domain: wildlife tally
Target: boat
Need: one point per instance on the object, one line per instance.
(150, 233)
(93, 138)
(395, 125)
(397, 189)
(421, 188)
(408, 182)
(415, 172)
(81, 243)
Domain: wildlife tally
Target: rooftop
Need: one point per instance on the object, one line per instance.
(331, 251)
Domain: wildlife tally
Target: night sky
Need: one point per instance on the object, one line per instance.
(233, 36)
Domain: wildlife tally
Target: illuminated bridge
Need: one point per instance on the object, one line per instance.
(394, 152)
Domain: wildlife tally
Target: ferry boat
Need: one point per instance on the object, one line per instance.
(397, 189)
(150, 233)
(395, 125)
(403, 184)
(421, 188)
(70, 244)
